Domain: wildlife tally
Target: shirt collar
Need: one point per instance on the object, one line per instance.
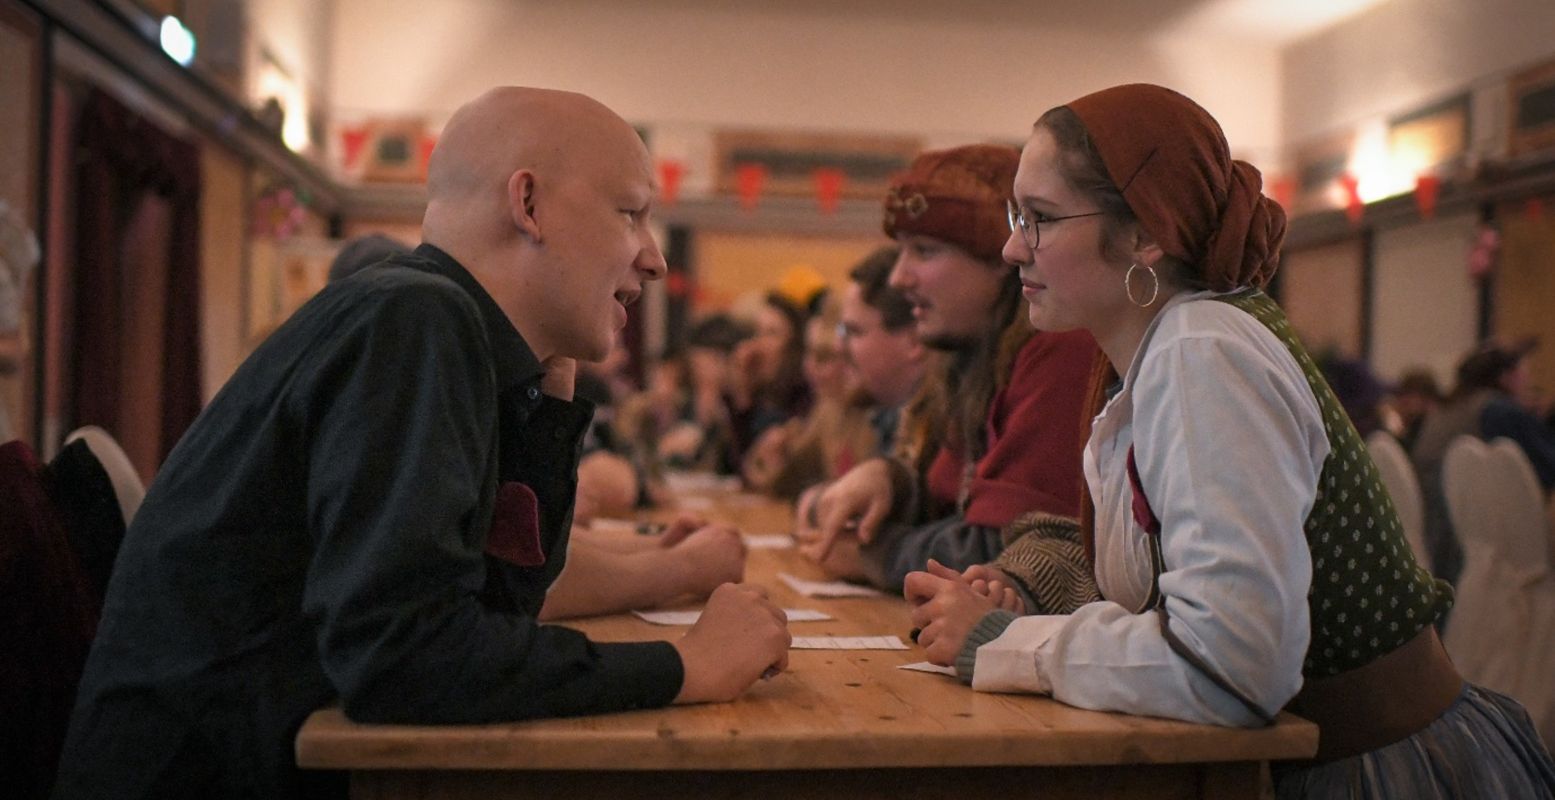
(1119, 394)
(516, 364)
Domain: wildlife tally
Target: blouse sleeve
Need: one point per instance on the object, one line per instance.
(1229, 444)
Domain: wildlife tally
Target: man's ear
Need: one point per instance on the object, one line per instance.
(521, 203)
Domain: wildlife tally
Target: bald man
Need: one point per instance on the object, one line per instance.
(371, 511)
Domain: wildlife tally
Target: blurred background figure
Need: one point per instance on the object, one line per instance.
(611, 480)
(833, 436)
(681, 419)
(1359, 390)
(1415, 396)
(1489, 401)
(362, 252)
(880, 342)
(767, 386)
(18, 257)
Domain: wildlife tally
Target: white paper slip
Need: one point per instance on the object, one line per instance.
(670, 617)
(924, 666)
(827, 588)
(625, 526)
(691, 617)
(686, 482)
(695, 503)
(848, 643)
(769, 541)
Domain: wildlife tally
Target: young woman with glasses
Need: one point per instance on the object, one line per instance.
(1248, 556)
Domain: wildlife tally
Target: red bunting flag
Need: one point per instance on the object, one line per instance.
(1354, 208)
(352, 141)
(1282, 190)
(749, 180)
(428, 142)
(676, 284)
(670, 173)
(1427, 187)
(828, 187)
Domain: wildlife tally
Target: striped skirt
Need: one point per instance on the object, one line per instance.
(1485, 746)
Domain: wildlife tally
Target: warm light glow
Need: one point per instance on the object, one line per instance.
(1379, 171)
(294, 132)
(272, 82)
(177, 41)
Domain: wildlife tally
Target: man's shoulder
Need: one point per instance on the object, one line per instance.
(399, 287)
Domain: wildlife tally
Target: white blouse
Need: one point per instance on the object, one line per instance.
(1229, 442)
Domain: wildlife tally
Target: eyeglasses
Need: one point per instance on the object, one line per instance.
(1028, 226)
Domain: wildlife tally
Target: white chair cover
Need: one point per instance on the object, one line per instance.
(1398, 474)
(1500, 633)
(1527, 521)
(127, 486)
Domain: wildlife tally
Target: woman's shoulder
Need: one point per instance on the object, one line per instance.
(1206, 314)
(1206, 323)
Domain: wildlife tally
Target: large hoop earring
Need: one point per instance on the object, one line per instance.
(1128, 285)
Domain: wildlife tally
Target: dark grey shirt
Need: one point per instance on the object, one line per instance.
(319, 536)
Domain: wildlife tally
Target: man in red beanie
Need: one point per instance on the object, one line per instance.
(997, 433)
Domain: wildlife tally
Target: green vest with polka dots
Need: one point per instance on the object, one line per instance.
(1368, 594)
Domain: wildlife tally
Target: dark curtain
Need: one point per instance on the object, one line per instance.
(136, 352)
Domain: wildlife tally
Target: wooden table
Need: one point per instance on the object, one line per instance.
(836, 724)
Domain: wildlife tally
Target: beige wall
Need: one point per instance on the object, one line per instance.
(1402, 54)
(953, 72)
(222, 223)
(296, 34)
(1426, 309)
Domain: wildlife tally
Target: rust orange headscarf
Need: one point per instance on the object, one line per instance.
(1170, 159)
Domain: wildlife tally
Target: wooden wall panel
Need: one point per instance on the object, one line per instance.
(223, 229)
(1321, 290)
(1524, 295)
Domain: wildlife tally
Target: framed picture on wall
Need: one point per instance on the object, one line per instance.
(1319, 165)
(1531, 96)
(1436, 135)
(790, 161)
(394, 151)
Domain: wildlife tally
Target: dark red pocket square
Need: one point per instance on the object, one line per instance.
(515, 526)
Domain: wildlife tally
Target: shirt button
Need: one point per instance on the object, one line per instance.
(534, 393)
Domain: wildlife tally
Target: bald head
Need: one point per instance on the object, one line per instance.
(545, 198)
(554, 135)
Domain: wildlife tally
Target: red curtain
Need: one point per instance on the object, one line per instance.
(136, 350)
